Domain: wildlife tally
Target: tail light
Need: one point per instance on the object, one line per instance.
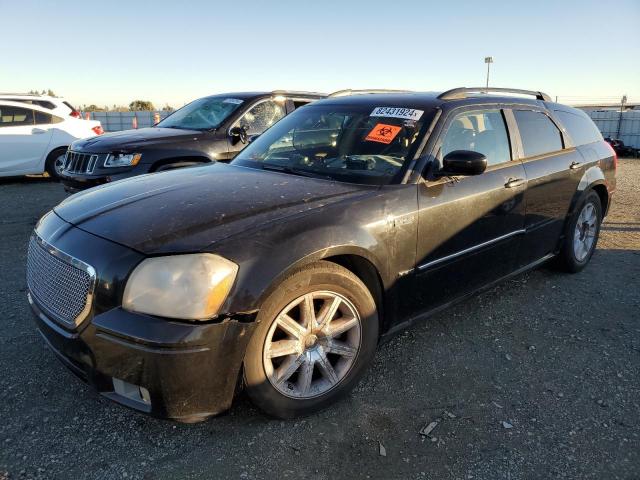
(75, 114)
(615, 156)
(98, 130)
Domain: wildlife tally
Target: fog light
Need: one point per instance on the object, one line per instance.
(131, 391)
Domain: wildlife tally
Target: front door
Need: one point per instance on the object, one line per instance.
(469, 226)
(22, 143)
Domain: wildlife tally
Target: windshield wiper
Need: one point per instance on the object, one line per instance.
(294, 171)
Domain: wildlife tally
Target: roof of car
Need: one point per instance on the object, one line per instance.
(30, 96)
(421, 99)
(249, 95)
(9, 103)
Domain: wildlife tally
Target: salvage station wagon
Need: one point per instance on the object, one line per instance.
(340, 225)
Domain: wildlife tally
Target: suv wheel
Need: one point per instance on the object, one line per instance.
(54, 164)
(581, 235)
(316, 335)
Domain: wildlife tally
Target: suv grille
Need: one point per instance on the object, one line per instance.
(60, 284)
(80, 162)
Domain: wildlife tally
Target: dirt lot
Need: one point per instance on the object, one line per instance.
(538, 378)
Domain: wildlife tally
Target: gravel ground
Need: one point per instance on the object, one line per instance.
(538, 378)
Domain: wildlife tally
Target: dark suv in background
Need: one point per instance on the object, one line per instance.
(213, 128)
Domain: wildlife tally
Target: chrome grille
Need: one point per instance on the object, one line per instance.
(60, 284)
(80, 162)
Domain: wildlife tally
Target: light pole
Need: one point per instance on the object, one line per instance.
(488, 61)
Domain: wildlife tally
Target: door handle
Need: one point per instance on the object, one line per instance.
(575, 165)
(37, 131)
(514, 182)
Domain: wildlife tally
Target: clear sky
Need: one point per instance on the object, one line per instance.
(114, 51)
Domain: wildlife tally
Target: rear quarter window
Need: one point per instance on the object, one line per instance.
(581, 129)
(538, 133)
(42, 118)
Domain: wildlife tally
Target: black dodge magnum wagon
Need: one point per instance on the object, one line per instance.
(345, 222)
(213, 128)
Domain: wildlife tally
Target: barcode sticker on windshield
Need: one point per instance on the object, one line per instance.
(397, 112)
(235, 101)
(383, 133)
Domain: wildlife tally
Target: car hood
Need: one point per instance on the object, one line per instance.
(188, 209)
(131, 139)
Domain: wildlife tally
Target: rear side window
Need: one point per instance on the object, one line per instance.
(479, 131)
(300, 103)
(15, 116)
(581, 128)
(538, 133)
(42, 118)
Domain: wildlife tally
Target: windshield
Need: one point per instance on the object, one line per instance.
(202, 114)
(356, 144)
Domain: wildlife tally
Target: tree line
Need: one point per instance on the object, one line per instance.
(135, 106)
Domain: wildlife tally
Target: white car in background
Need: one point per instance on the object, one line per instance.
(57, 105)
(33, 140)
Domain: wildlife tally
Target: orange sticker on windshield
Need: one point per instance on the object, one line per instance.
(383, 133)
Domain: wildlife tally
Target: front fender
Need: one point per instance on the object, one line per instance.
(355, 227)
(270, 262)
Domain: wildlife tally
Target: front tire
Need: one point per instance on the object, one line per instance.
(316, 335)
(581, 235)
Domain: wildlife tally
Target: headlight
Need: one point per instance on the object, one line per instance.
(190, 287)
(122, 159)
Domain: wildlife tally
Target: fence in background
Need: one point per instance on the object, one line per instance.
(116, 121)
(624, 126)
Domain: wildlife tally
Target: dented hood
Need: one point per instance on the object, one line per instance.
(188, 209)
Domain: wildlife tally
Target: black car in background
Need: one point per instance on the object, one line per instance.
(213, 128)
(340, 225)
(620, 148)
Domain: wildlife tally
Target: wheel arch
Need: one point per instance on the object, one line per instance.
(357, 260)
(179, 161)
(597, 185)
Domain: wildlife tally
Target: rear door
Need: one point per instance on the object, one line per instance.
(23, 144)
(553, 168)
(469, 226)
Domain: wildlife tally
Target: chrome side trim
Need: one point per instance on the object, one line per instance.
(77, 263)
(437, 261)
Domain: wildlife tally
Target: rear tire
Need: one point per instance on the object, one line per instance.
(581, 235)
(55, 163)
(299, 362)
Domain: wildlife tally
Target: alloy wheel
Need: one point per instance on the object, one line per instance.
(585, 232)
(58, 164)
(312, 344)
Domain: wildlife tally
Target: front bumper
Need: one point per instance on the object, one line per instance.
(190, 371)
(74, 183)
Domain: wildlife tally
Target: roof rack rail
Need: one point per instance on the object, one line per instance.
(348, 91)
(297, 92)
(458, 93)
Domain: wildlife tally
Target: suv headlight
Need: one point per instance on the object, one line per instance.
(122, 159)
(189, 287)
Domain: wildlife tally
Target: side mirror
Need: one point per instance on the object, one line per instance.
(238, 133)
(463, 162)
(252, 138)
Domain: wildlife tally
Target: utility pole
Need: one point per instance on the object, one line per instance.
(623, 102)
(488, 61)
